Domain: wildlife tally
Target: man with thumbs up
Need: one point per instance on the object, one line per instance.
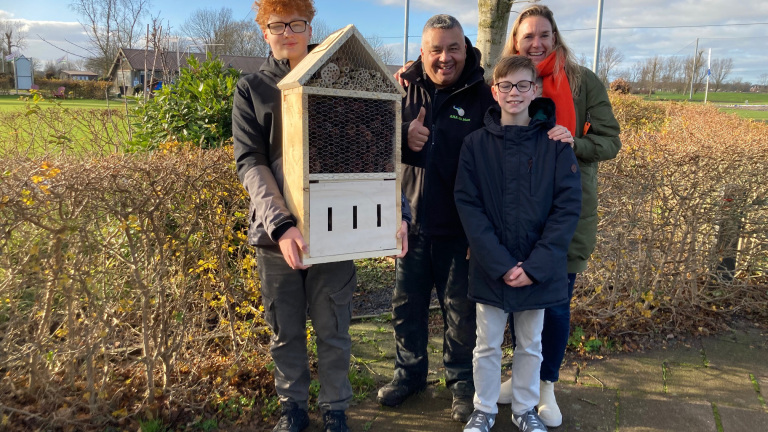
(447, 99)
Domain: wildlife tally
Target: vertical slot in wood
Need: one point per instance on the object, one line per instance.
(330, 219)
(378, 215)
(354, 217)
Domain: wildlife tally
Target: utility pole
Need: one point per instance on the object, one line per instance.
(693, 71)
(405, 41)
(596, 60)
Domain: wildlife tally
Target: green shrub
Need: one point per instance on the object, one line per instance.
(196, 108)
(76, 88)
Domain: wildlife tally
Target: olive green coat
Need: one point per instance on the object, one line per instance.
(599, 144)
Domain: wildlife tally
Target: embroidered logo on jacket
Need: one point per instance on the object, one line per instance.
(460, 116)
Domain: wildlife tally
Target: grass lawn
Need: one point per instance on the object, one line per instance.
(719, 97)
(14, 102)
(747, 114)
(63, 125)
(726, 100)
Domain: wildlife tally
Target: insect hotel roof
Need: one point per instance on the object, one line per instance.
(343, 61)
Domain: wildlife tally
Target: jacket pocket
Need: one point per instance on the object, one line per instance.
(269, 313)
(342, 304)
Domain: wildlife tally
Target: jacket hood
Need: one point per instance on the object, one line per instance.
(541, 111)
(471, 73)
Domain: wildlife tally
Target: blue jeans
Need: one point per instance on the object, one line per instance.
(554, 337)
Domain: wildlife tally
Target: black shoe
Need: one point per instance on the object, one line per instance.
(461, 408)
(393, 394)
(292, 419)
(335, 421)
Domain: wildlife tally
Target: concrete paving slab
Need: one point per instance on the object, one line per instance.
(722, 386)
(739, 349)
(740, 420)
(632, 374)
(660, 413)
(624, 390)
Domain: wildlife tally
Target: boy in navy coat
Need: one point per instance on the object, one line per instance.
(518, 194)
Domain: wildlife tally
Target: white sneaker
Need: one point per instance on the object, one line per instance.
(548, 409)
(529, 422)
(480, 421)
(505, 393)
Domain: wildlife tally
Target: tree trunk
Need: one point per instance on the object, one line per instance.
(493, 19)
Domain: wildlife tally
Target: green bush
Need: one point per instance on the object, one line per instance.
(196, 108)
(75, 88)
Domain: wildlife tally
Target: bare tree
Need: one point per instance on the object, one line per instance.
(610, 57)
(210, 29)
(651, 71)
(694, 71)
(384, 52)
(493, 19)
(320, 31)
(720, 69)
(763, 80)
(217, 32)
(14, 37)
(110, 25)
(248, 40)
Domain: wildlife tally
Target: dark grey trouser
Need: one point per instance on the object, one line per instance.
(441, 263)
(325, 291)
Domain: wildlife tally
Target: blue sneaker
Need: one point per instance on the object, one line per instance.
(480, 421)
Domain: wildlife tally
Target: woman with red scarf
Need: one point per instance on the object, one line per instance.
(582, 106)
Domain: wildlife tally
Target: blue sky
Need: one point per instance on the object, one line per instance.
(638, 29)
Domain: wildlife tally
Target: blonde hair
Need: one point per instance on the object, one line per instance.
(266, 8)
(564, 59)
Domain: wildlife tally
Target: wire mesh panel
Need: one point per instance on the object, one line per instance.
(351, 135)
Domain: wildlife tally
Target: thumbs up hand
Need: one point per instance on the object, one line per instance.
(417, 133)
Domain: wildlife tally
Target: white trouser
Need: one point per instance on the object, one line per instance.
(486, 359)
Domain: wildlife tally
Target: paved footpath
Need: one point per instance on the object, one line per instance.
(717, 384)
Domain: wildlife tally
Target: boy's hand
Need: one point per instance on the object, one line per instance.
(290, 243)
(417, 133)
(402, 234)
(560, 133)
(516, 277)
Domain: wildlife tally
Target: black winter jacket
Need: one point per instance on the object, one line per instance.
(257, 130)
(519, 196)
(430, 174)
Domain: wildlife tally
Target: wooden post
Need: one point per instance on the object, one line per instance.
(732, 214)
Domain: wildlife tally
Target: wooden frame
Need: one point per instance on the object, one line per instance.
(346, 215)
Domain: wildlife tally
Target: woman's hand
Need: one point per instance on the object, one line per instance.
(560, 133)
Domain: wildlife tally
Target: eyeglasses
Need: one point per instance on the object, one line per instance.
(278, 28)
(506, 86)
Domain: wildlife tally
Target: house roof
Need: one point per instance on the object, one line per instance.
(135, 59)
(74, 72)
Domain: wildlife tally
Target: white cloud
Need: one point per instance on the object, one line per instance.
(49, 40)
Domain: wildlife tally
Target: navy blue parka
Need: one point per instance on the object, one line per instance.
(518, 195)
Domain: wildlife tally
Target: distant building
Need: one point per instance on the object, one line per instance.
(78, 75)
(757, 88)
(128, 70)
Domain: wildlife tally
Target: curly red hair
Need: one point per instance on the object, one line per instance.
(266, 8)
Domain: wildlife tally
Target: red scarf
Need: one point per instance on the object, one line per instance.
(555, 86)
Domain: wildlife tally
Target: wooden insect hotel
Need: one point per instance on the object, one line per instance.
(341, 150)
